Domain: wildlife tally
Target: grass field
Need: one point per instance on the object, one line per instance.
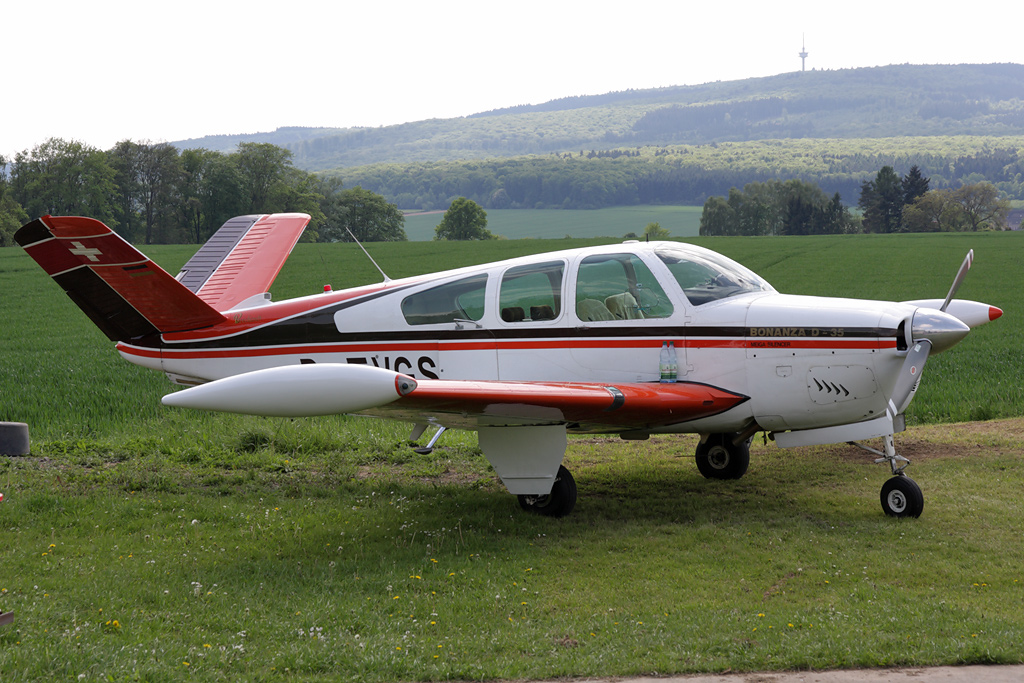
(680, 221)
(141, 543)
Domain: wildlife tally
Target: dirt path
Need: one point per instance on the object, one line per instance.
(941, 674)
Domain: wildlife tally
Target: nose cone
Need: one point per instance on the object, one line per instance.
(943, 330)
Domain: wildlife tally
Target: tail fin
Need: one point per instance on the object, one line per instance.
(124, 293)
(242, 259)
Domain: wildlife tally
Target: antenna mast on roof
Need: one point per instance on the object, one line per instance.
(383, 274)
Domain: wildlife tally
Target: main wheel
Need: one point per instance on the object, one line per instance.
(559, 502)
(902, 497)
(719, 458)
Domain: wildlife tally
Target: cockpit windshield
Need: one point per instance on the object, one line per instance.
(706, 276)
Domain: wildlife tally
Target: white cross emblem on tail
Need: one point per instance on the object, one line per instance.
(90, 253)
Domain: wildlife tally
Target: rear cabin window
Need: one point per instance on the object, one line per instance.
(618, 287)
(458, 300)
(532, 293)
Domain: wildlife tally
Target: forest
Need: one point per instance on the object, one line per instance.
(690, 174)
(152, 193)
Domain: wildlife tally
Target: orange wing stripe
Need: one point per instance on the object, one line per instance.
(633, 405)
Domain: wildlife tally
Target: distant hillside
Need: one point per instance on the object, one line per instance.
(891, 101)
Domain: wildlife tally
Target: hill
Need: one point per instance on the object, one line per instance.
(878, 102)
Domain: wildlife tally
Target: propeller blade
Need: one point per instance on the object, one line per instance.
(960, 274)
(910, 376)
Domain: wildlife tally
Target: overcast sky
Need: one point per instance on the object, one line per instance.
(107, 70)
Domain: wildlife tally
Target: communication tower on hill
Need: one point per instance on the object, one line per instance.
(803, 53)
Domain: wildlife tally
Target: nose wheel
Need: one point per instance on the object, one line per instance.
(902, 497)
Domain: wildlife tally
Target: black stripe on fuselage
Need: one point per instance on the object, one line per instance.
(318, 327)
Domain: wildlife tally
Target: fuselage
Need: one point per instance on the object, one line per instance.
(600, 314)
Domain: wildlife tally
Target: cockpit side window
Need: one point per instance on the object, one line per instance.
(618, 287)
(531, 293)
(459, 300)
(707, 276)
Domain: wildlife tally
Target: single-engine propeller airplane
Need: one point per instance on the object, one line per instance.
(632, 338)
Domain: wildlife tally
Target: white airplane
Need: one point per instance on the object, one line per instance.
(632, 338)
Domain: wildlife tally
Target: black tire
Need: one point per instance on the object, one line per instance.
(14, 438)
(719, 458)
(902, 497)
(559, 502)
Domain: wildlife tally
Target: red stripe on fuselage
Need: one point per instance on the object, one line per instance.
(518, 345)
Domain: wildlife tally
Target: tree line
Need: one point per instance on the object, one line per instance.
(152, 193)
(894, 204)
(686, 174)
(889, 203)
(776, 207)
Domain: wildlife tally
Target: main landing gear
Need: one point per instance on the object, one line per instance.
(900, 496)
(719, 456)
(559, 502)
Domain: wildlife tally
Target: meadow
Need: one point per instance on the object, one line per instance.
(680, 221)
(140, 543)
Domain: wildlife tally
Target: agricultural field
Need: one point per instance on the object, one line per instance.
(514, 224)
(142, 543)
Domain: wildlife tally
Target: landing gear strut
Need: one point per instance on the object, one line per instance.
(718, 457)
(900, 496)
(559, 502)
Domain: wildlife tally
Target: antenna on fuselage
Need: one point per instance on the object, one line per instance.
(381, 270)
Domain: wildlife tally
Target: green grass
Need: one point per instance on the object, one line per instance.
(680, 221)
(295, 565)
(260, 549)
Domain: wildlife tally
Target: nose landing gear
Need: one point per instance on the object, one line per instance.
(900, 496)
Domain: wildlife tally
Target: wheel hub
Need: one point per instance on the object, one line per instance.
(718, 458)
(897, 501)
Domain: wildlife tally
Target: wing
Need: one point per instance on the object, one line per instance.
(581, 406)
(242, 258)
(330, 388)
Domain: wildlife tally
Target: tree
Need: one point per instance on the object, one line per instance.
(12, 216)
(982, 208)
(368, 215)
(654, 231)
(934, 211)
(881, 200)
(914, 185)
(64, 178)
(159, 167)
(125, 159)
(262, 166)
(464, 220)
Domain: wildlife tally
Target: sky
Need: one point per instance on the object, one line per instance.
(103, 71)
